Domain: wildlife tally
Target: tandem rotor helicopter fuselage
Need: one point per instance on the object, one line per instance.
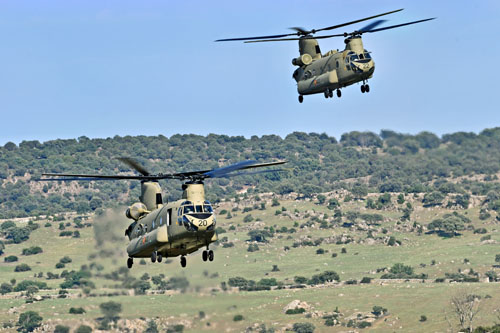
(325, 73)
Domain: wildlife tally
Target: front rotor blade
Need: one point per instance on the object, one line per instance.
(134, 165)
(274, 40)
(356, 21)
(399, 25)
(252, 38)
(93, 177)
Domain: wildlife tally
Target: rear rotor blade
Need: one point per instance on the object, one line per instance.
(400, 25)
(372, 25)
(226, 171)
(356, 21)
(245, 173)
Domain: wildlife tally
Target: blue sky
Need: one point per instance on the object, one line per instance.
(106, 68)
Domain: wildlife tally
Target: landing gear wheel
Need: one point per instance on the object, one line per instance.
(204, 255)
(211, 255)
(367, 88)
(339, 93)
(183, 261)
(301, 98)
(363, 89)
(130, 262)
(160, 257)
(153, 256)
(330, 94)
(327, 93)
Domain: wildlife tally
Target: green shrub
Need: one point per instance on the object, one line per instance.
(10, 259)
(303, 328)
(29, 320)
(65, 233)
(295, 311)
(32, 250)
(378, 310)
(248, 218)
(5, 288)
(320, 251)
(61, 329)
(423, 318)
(76, 310)
(22, 268)
(366, 280)
(59, 265)
(253, 248)
(238, 317)
(84, 329)
(65, 260)
(23, 285)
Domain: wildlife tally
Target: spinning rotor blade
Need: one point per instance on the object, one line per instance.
(356, 21)
(399, 25)
(372, 25)
(226, 171)
(245, 173)
(261, 37)
(301, 31)
(70, 176)
(134, 165)
(368, 28)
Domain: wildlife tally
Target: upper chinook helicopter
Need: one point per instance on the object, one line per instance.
(175, 228)
(324, 73)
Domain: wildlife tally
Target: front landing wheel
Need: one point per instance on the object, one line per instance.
(211, 255)
(301, 98)
(130, 262)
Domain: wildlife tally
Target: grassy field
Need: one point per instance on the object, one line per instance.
(405, 301)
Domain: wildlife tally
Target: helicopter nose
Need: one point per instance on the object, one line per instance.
(365, 66)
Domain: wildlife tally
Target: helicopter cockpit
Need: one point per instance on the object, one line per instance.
(198, 211)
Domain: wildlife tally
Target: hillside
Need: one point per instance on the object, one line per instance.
(361, 162)
(331, 253)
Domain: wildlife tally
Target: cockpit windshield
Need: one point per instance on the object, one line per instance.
(354, 57)
(204, 208)
(188, 209)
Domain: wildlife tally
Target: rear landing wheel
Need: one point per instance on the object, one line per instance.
(363, 89)
(204, 255)
(183, 261)
(327, 93)
(130, 262)
(339, 93)
(330, 94)
(301, 98)
(160, 257)
(153, 256)
(211, 255)
(367, 88)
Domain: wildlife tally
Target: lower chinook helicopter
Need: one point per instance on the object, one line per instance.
(176, 228)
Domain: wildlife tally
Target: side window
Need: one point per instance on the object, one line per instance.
(317, 49)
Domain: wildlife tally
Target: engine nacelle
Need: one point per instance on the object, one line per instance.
(304, 59)
(136, 211)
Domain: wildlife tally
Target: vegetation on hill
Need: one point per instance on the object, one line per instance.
(389, 162)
